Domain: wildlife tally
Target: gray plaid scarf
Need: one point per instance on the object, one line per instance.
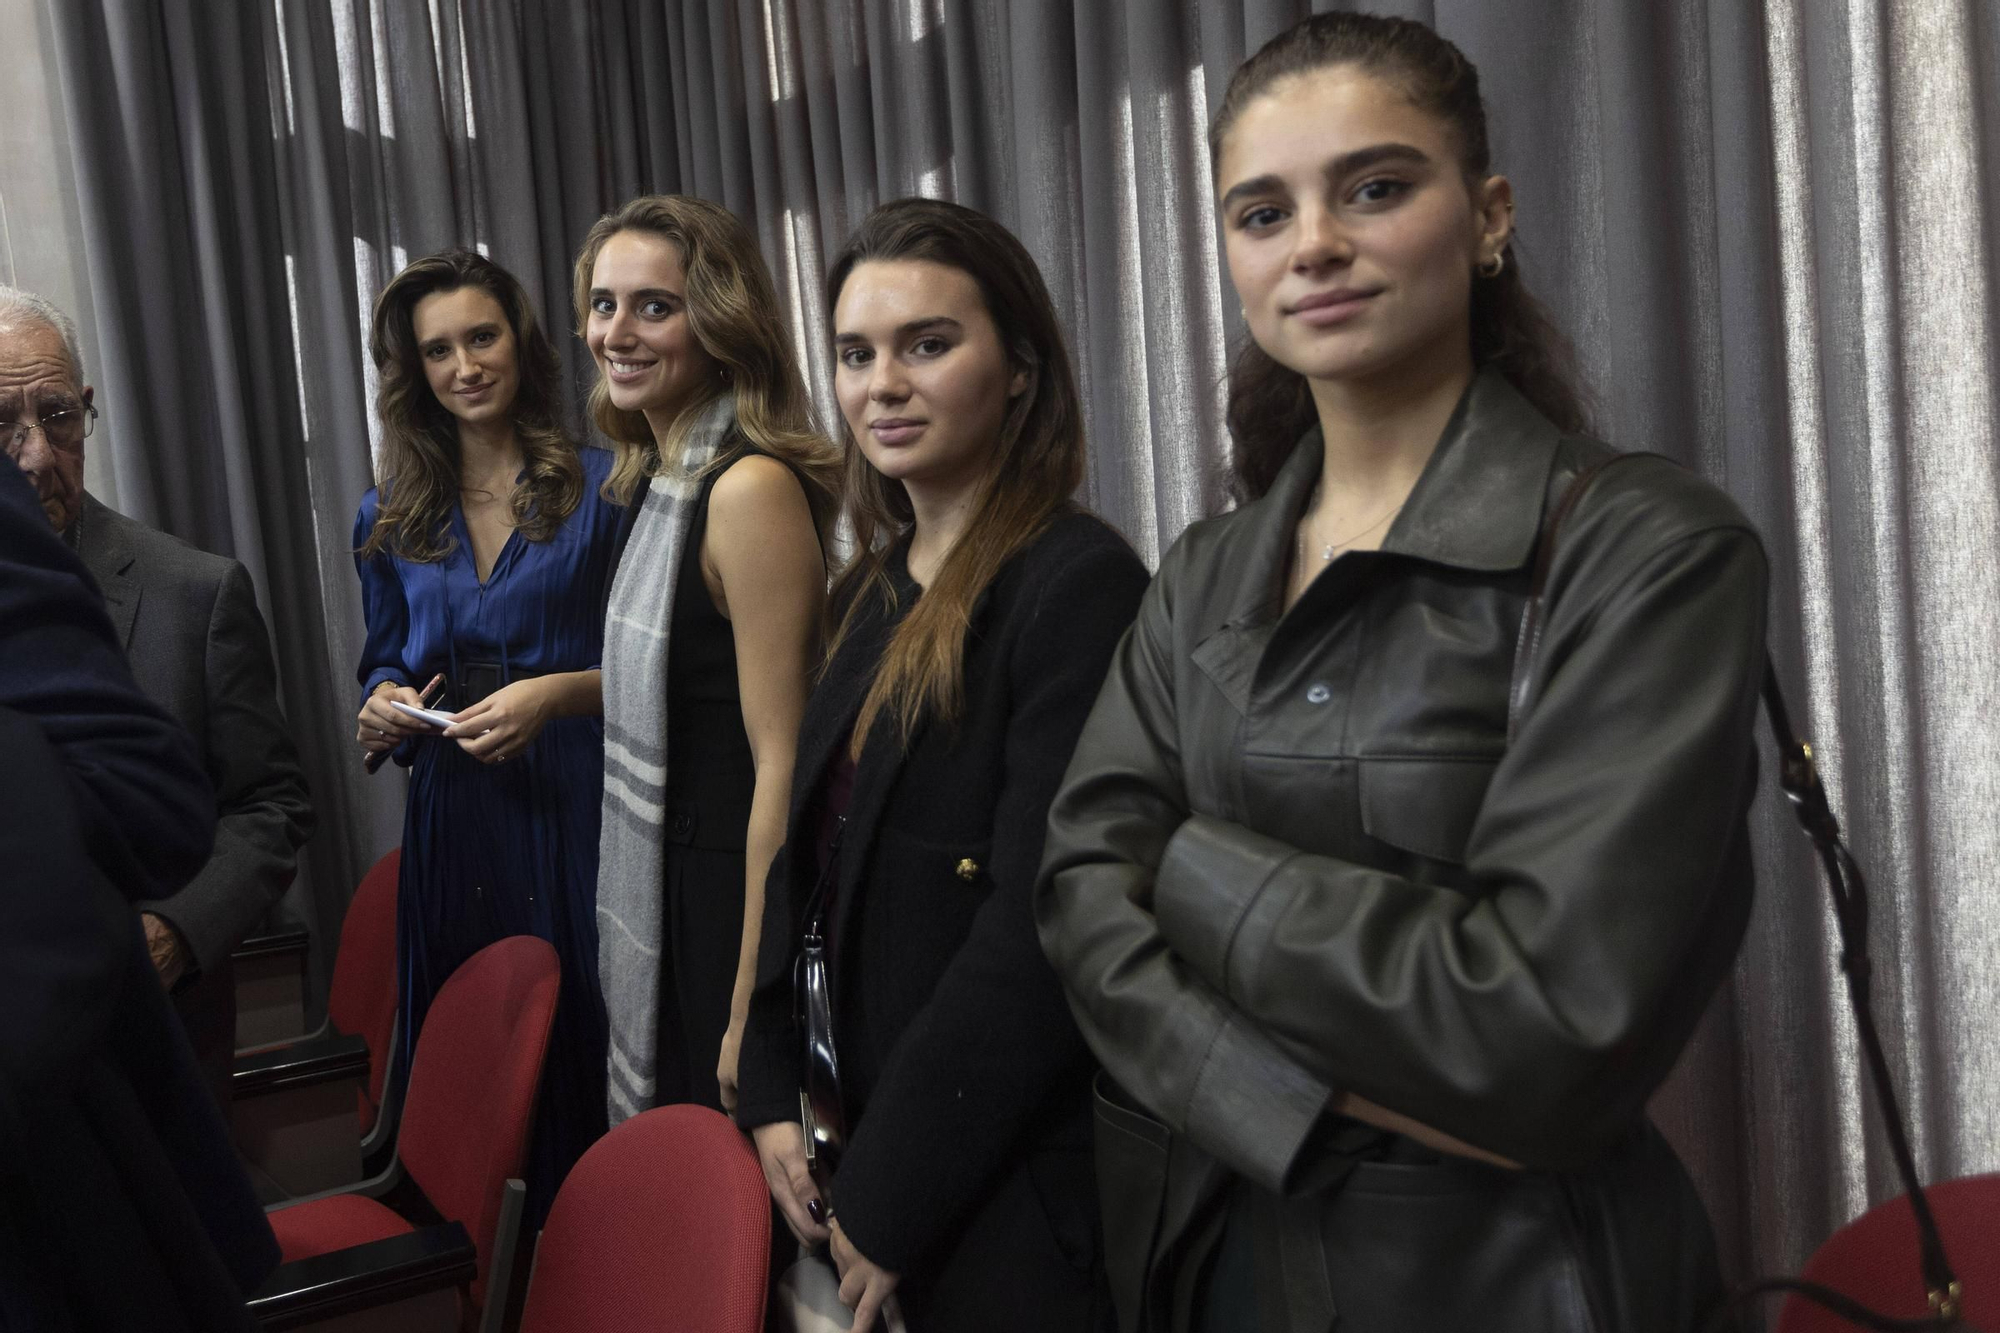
(631, 843)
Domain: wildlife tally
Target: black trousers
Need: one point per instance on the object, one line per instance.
(1418, 1240)
(704, 919)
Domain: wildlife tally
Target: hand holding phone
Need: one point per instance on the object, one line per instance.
(374, 759)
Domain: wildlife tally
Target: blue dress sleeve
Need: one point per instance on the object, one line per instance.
(610, 526)
(610, 522)
(384, 610)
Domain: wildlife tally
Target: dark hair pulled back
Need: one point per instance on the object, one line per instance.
(1270, 406)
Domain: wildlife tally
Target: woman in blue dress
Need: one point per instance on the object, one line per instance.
(485, 555)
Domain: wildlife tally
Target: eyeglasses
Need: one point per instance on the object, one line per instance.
(63, 430)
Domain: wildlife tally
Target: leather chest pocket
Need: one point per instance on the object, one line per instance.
(1425, 804)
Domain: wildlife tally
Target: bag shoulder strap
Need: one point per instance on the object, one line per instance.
(1798, 778)
(1527, 645)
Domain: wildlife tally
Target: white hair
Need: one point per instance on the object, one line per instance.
(17, 306)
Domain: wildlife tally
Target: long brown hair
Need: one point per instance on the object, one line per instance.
(1035, 467)
(420, 463)
(1270, 405)
(733, 313)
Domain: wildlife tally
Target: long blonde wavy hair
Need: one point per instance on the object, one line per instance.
(732, 311)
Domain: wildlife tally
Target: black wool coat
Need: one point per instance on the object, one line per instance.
(122, 1203)
(965, 1081)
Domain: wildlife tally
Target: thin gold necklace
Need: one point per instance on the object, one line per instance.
(1302, 572)
(1326, 552)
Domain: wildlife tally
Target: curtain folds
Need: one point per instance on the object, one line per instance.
(1766, 223)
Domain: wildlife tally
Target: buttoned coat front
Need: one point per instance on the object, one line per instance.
(1296, 854)
(965, 1081)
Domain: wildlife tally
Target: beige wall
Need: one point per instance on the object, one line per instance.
(41, 248)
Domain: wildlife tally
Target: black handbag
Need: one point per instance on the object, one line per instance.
(821, 1113)
(1798, 778)
(806, 1297)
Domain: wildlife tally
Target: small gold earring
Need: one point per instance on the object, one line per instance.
(1490, 267)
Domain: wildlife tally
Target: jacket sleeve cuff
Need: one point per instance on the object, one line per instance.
(767, 1081)
(1253, 1106)
(1211, 880)
(754, 1115)
(376, 677)
(191, 956)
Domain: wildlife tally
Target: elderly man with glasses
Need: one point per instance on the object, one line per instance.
(189, 624)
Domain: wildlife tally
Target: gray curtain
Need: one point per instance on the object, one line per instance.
(1764, 222)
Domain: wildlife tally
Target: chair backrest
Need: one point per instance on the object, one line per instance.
(362, 999)
(664, 1223)
(478, 1061)
(1874, 1259)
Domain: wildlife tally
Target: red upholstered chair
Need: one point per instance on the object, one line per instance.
(363, 996)
(463, 1137)
(1874, 1260)
(287, 1099)
(664, 1224)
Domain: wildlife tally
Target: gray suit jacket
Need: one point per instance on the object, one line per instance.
(189, 624)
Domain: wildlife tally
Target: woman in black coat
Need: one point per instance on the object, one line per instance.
(973, 629)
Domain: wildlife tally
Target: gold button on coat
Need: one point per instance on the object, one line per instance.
(968, 868)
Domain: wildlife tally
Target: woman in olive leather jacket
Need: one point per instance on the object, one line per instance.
(1380, 992)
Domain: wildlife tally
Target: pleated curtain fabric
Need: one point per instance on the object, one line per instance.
(1768, 225)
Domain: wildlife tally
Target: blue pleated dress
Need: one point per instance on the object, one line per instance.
(492, 850)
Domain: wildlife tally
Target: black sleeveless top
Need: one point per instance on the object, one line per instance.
(709, 769)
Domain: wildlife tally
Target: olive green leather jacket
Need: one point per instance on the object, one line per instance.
(1297, 854)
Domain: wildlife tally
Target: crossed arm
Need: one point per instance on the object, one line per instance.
(1240, 987)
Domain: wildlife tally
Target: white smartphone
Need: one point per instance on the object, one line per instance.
(430, 715)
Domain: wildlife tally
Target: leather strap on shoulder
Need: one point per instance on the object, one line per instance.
(1527, 645)
(1798, 777)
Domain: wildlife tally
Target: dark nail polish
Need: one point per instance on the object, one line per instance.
(814, 1211)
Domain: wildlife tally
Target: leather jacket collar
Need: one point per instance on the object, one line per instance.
(1477, 504)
